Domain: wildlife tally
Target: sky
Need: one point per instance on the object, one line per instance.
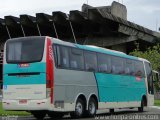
(142, 12)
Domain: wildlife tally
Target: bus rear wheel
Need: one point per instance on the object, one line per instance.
(92, 107)
(52, 114)
(111, 111)
(39, 115)
(79, 109)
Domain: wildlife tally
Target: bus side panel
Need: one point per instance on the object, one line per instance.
(118, 88)
(71, 83)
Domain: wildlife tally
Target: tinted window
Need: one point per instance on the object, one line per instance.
(117, 65)
(139, 69)
(129, 67)
(63, 57)
(76, 59)
(25, 50)
(104, 63)
(55, 53)
(90, 61)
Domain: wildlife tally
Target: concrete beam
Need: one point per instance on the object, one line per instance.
(13, 26)
(29, 25)
(135, 32)
(109, 41)
(63, 25)
(127, 30)
(43, 18)
(95, 16)
(45, 24)
(80, 23)
(12, 20)
(60, 18)
(78, 17)
(27, 20)
(3, 34)
(2, 22)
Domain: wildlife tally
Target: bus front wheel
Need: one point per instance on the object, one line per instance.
(79, 109)
(141, 109)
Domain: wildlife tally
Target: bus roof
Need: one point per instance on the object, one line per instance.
(106, 51)
(91, 48)
(99, 50)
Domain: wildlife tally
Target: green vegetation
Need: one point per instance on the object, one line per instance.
(157, 102)
(11, 113)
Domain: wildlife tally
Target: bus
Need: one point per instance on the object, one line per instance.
(45, 75)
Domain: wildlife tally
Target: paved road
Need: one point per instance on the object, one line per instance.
(122, 114)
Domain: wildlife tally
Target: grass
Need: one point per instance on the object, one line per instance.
(157, 102)
(12, 113)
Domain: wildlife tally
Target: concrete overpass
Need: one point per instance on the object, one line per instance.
(105, 26)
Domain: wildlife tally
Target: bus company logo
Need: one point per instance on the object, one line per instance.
(50, 53)
(23, 65)
(138, 78)
(4, 87)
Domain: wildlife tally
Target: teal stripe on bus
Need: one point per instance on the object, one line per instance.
(28, 80)
(33, 67)
(10, 69)
(119, 88)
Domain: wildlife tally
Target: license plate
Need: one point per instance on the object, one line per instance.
(22, 101)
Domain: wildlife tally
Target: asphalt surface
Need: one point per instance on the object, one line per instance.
(151, 113)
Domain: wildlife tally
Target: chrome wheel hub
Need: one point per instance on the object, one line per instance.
(92, 108)
(79, 108)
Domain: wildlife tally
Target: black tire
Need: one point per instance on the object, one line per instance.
(39, 115)
(79, 109)
(141, 109)
(111, 111)
(52, 114)
(92, 108)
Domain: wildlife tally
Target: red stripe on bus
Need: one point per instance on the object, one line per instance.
(49, 68)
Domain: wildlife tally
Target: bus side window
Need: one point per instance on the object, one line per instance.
(63, 61)
(76, 59)
(139, 69)
(117, 65)
(54, 47)
(90, 61)
(129, 67)
(104, 63)
(149, 78)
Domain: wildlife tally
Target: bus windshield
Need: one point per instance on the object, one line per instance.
(25, 50)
